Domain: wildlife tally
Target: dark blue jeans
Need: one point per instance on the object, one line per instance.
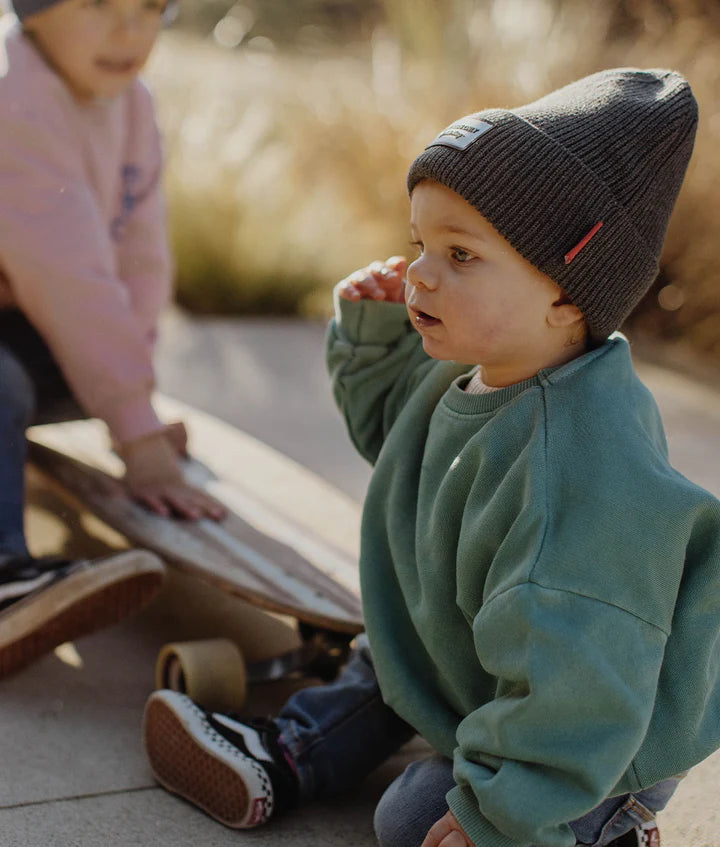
(32, 391)
(337, 734)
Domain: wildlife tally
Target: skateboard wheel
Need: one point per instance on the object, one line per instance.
(211, 672)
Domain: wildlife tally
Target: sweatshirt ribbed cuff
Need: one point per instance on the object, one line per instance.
(370, 321)
(482, 833)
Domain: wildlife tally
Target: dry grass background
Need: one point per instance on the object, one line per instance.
(286, 166)
(288, 147)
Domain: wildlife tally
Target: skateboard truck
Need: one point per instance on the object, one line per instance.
(321, 654)
(213, 672)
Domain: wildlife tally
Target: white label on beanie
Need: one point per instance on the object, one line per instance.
(461, 134)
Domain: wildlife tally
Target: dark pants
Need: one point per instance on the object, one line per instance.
(32, 391)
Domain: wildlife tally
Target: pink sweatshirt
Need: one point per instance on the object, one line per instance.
(83, 246)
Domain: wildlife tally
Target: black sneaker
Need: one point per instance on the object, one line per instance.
(235, 771)
(45, 602)
(647, 835)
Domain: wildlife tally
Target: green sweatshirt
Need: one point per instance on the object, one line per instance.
(541, 589)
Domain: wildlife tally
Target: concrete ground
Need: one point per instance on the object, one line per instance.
(73, 772)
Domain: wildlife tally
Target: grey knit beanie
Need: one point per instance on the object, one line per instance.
(581, 182)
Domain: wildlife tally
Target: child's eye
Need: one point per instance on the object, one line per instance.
(460, 256)
(417, 247)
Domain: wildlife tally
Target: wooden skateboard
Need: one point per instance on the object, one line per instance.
(288, 545)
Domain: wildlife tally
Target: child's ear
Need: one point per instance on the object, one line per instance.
(563, 312)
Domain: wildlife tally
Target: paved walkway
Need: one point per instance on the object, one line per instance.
(73, 773)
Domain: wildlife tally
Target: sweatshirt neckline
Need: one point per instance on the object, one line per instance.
(460, 401)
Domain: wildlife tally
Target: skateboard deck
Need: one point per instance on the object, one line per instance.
(288, 545)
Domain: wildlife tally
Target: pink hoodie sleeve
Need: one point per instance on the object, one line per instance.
(59, 257)
(141, 246)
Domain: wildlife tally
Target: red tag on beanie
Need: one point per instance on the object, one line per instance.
(579, 246)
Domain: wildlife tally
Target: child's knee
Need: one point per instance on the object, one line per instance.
(17, 393)
(398, 822)
(413, 803)
(390, 815)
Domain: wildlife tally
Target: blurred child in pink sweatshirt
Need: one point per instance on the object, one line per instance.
(84, 274)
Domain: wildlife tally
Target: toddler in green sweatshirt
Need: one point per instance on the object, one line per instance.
(541, 588)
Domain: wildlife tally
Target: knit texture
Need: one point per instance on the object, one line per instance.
(611, 148)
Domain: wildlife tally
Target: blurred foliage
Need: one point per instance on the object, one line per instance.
(290, 125)
(290, 23)
(417, 23)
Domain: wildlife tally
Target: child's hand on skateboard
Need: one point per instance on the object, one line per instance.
(378, 281)
(153, 477)
(447, 832)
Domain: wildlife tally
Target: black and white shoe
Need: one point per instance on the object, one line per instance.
(45, 602)
(235, 771)
(647, 835)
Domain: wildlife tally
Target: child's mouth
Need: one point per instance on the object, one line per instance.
(423, 320)
(116, 66)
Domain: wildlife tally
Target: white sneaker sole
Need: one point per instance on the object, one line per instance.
(189, 758)
(83, 602)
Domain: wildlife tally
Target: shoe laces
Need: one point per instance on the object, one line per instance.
(283, 777)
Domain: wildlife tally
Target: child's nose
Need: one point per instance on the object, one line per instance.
(421, 274)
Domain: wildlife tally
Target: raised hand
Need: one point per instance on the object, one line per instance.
(378, 281)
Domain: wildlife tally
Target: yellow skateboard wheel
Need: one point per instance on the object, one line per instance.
(211, 672)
